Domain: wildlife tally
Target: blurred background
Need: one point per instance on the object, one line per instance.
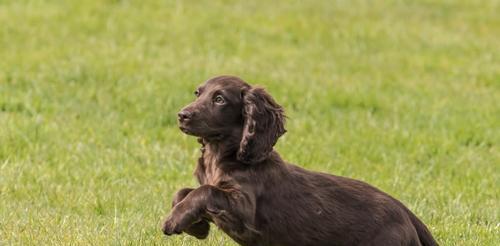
(404, 95)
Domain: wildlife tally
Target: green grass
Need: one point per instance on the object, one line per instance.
(402, 94)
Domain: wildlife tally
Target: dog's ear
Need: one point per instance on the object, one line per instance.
(264, 122)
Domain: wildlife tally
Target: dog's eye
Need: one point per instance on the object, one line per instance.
(219, 99)
(197, 93)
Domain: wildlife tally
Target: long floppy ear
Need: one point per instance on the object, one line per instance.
(264, 122)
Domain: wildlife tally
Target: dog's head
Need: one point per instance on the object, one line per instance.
(227, 107)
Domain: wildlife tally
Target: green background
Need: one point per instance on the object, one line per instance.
(404, 95)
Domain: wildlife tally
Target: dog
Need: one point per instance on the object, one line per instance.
(258, 199)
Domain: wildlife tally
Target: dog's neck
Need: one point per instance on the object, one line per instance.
(220, 149)
(223, 146)
(217, 157)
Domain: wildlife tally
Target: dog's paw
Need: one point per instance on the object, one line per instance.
(170, 227)
(199, 230)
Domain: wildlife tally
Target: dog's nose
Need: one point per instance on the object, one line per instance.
(184, 115)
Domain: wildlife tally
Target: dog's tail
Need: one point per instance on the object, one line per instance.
(424, 235)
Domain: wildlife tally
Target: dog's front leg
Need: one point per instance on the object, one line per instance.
(200, 229)
(206, 200)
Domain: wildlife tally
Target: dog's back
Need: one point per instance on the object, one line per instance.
(301, 207)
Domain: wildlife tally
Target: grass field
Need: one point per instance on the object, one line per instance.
(404, 95)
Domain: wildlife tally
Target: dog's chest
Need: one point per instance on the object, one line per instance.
(208, 171)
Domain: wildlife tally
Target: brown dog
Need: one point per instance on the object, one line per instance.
(257, 198)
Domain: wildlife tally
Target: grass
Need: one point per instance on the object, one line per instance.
(402, 94)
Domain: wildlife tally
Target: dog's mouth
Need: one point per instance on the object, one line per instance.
(186, 130)
(189, 131)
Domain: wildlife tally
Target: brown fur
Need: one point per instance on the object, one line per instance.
(257, 198)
